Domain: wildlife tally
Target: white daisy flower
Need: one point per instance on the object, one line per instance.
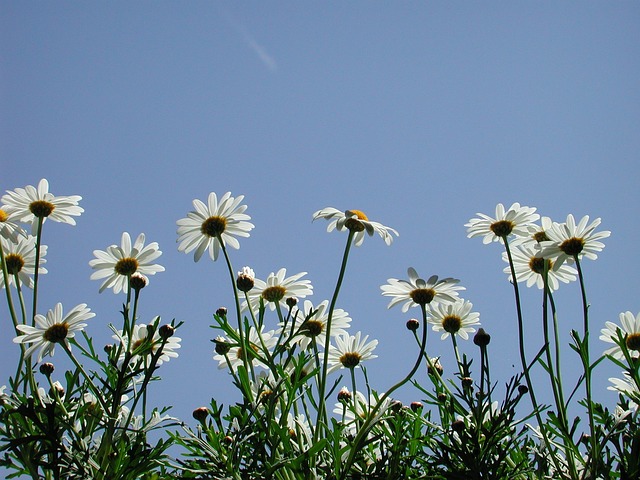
(307, 326)
(8, 226)
(20, 259)
(528, 263)
(30, 203)
(356, 222)
(626, 386)
(417, 291)
(278, 288)
(141, 344)
(454, 318)
(208, 225)
(54, 328)
(516, 220)
(630, 333)
(350, 351)
(359, 409)
(117, 264)
(236, 354)
(568, 240)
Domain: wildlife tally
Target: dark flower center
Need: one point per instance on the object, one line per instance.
(422, 296)
(312, 328)
(350, 359)
(353, 223)
(451, 323)
(274, 294)
(56, 333)
(502, 228)
(540, 236)
(572, 246)
(41, 208)
(14, 263)
(126, 266)
(633, 341)
(240, 354)
(536, 264)
(213, 226)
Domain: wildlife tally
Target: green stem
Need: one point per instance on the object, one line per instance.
(368, 423)
(594, 455)
(523, 357)
(325, 358)
(36, 271)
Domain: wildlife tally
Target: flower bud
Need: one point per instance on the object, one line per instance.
(435, 364)
(416, 406)
(457, 426)
(246, 279)
(166, 331)
(138, 281)
(523, 389)
(413, 324)
(221, 312)
(222, 346)
(344, 395)
(467, 382)
(481, 338)
(200, 414)
(47, 369)
(291, 302)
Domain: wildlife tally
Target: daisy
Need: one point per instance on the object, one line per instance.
(299, 431)
(117, 264)
(359, 409)
(350, 351)
(626, 386)
(454, 318)
(516, 221)
(569, 240)
(529, 266)
(311, 322)
(277, 289)
(52, 329)
(20, 259)
(630, 333)
(356, 222)
(141, 344)
(417, 291)
(213, 225)
(8, 227)
(235, 354)
(29, 204)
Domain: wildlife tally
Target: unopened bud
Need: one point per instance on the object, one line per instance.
(291, 302)
(458, 426)
(166, 331)
(47, 368)
(344, 395)
(138, 281)
(416, 406)
(413, 324)
(200, 414)
(222, 346)
(481, 338)
(221, 312)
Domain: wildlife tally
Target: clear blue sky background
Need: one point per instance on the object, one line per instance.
(418, 113)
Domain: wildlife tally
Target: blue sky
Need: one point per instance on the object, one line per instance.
(418, 113)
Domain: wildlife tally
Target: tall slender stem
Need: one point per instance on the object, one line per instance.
(327, 338)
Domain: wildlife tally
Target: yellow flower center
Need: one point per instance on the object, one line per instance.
(240, 353)
(312, 328)
(213, 226)
(502, 228)
(274, 294)
(572, 246)
(14, 263)
(41, 208)
(536, 264)
(451, 323)
(126, 266)
(633, 341)
(540, 236)
(56, 333)
(350, 359)
(354, 224)
(4, 216)
(422, 296)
